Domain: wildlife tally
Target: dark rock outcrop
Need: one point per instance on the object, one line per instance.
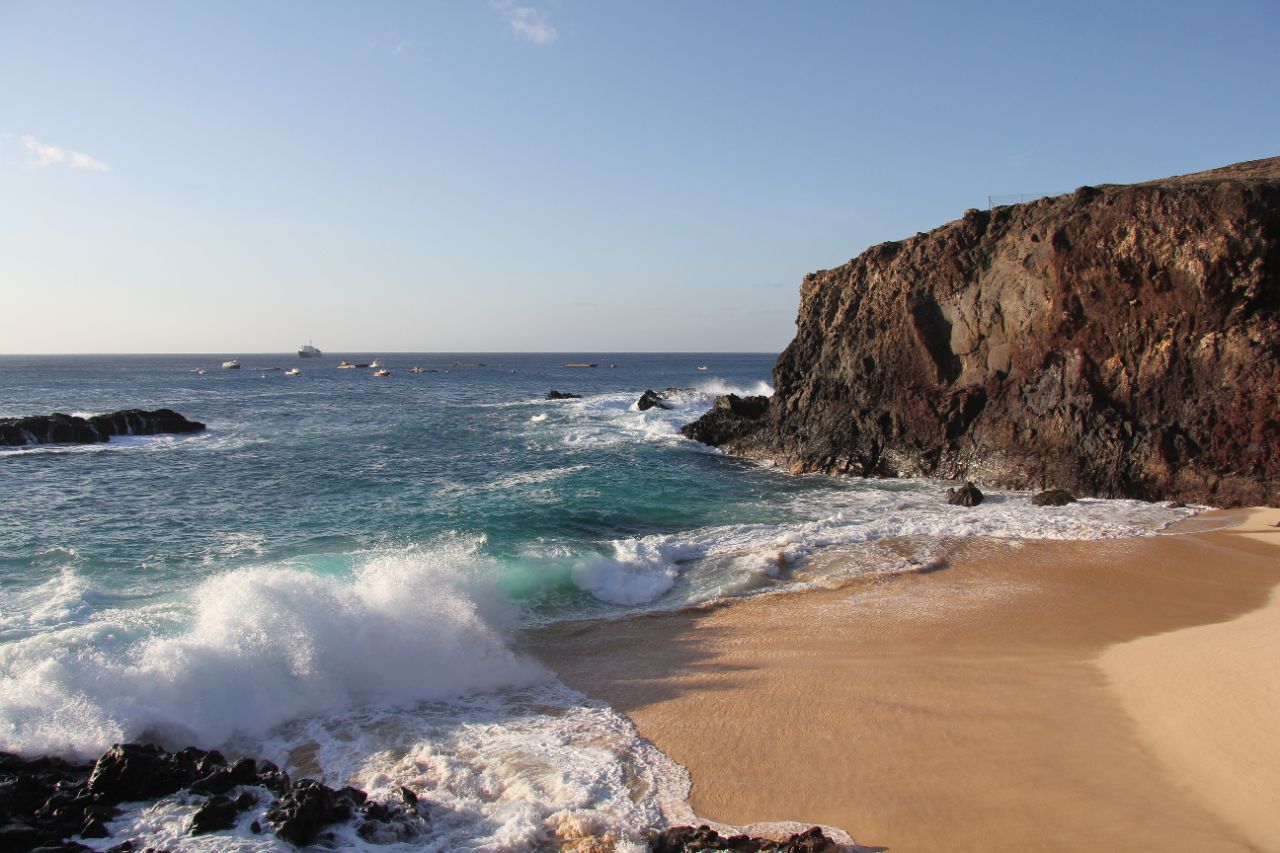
(69, 429)
(1053, 497)
(731, 418)
(966, 495)
(562, 395)
(651, 399)
(686, 839)
(308, 807)
(45, 801)
(1120, 341)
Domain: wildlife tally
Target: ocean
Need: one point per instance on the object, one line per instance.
(335, 575)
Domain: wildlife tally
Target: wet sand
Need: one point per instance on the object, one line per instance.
(966, 708)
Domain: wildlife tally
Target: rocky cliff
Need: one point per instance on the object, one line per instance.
(1117, 341)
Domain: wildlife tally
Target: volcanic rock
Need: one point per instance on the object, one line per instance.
(731, 418)
(1053, 497)
(562, 395)
(308, 807)
(650, 399)
(685, 839)
(59, 428)
(1120, 341)
(966, 495)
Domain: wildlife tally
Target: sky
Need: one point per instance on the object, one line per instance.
(559, 175)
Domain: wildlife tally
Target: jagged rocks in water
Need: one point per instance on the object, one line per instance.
(1053, 497)
(562, 395)
(308, 807)
(731, 418)
(651, 399)
(1119, 341)
(966, 495)
(686, 839)
(220, 812)
(43, 801)
(133, 771)
(60, 428)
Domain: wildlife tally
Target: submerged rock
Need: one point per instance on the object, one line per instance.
(308, 807)
(1120, 341)
(1053, 497)
(651, 399)
(966, 495)
(60, 428)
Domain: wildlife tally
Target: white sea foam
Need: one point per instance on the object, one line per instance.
(723, 560)
(541, 768)
(263, 645)
(529, 478)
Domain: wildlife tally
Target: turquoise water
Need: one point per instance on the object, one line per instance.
(342, 562)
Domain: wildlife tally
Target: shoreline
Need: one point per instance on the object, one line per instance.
(962, 708)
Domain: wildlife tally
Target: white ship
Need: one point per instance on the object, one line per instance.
(231, 364)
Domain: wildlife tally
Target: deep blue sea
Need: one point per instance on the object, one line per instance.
(334, 574)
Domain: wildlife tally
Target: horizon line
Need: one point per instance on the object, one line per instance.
(335, 353)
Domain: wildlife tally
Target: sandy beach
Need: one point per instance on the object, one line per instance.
(1115, 695)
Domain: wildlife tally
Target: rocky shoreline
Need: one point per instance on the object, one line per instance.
(46, 803)
(59, 428)
(1120, 341)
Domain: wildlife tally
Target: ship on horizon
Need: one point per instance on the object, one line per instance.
(308, 350)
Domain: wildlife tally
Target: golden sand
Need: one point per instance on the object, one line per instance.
(966, 708)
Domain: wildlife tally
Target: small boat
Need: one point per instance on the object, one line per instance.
(293, 371)
(345, 365)
(199, 371)
(375, 363)
(417, 370)
(579, 364)
(702, 367)
(231, 364)
(382, 372)
(307, 350)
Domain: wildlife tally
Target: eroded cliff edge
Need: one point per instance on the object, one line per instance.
(1117, 341)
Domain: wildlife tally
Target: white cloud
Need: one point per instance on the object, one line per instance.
(84, 161)
(527, 22)
(40, 155)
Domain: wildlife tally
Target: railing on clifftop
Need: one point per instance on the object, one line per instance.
(994, 201)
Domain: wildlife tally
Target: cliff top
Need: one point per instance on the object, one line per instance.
(1266, 169)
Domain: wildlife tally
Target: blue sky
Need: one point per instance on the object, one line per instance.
(561, 175)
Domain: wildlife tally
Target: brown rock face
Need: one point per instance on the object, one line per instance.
(1118, 341)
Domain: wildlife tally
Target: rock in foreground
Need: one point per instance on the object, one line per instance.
(45, 801)
(686, 839)
(1120, 341)
(70, 429)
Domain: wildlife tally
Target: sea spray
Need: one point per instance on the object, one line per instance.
(264, 645)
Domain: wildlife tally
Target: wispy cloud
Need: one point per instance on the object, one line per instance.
(401, 47)
(527, 22)
(40, 156)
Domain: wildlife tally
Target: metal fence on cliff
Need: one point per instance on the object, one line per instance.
(1016, 198)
